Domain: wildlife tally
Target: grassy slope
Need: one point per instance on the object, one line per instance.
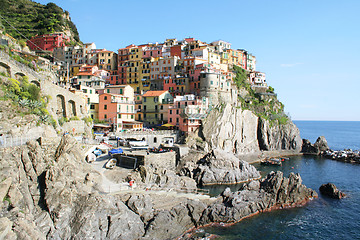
(32, 18)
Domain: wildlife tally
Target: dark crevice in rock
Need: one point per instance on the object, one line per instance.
(42, 187)
(191, 216)
(279, 191)
(148, 225)
(260, 140)
(108, 227)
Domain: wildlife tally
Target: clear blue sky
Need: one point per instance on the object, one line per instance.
(308, 49)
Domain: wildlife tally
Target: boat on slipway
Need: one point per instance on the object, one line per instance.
(111, 163)
(271, 162)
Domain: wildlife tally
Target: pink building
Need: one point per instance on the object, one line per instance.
(48, 42)
(187, 112)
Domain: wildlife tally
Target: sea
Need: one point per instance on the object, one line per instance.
(322, 218)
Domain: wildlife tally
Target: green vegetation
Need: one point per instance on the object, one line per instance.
(87, 120)
(7, 199)
(27, 97)
(32, 18)
(99, 121)
(265, 106)
(62, 120)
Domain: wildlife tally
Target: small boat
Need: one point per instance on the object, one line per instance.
(90, 157)
(138, 143)
(115, 151)
(111, 163)
(272, 161)
(284, 158)
(97, 152)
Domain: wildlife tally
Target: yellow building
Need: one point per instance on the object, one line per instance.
(153, 107)
(145, 74)
(133, 70)
(107, 60)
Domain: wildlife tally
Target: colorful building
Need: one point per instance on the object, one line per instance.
(107, 60)
(48, 42)
(153, 103)
(187, 112)
(118, 109)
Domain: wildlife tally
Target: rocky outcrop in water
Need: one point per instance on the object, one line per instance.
(315, 149)
(330, 190)
(275, 191)
(220, 167)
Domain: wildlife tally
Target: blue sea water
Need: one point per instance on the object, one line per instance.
(322, 218)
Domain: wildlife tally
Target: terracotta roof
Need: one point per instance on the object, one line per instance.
(154, 93)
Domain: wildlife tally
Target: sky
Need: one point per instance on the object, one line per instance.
(308, 49)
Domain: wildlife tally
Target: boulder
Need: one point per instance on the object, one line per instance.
(321, 144)
(330, 190)
(314, 149)
(218, 167)
(308, 148)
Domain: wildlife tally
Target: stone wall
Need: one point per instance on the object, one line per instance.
(62, 103)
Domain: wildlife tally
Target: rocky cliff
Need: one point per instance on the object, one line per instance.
(50, 192)
(239, 131)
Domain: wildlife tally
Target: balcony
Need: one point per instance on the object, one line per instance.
(122, 101)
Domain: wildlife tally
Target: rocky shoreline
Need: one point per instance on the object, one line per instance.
(321, 148)
(51, 192)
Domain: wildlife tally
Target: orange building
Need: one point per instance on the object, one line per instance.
(119, 109)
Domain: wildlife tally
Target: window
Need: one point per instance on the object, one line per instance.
(144, 99)
(105, 116)
(177, 111)
(177, 120)
(170, 111)
(121, 91)
(92, 106)
(119, 115)
(105, 97)
(108, 90)
(156, 116)
(105, 106)
(155, 139)
(170, 120)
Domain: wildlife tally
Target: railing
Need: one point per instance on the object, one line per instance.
(10, 141)
(122, 101)
(148, 132)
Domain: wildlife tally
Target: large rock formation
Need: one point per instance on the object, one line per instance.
(278, 137)
(275, 191)
(231, 129)
(219, 167)
(315, 149)
(239, 131)
(330, 190)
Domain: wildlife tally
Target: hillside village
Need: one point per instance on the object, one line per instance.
(172, 85)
